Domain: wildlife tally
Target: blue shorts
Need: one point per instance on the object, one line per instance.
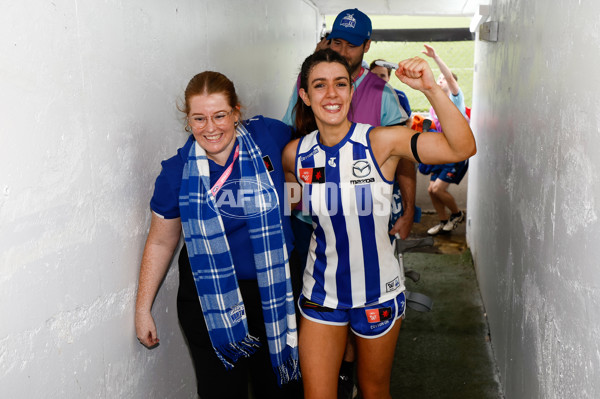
(451, 172)
(372, 321)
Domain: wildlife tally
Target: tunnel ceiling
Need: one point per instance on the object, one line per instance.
(401, 7)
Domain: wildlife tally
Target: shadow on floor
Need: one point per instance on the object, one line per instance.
(444, 353)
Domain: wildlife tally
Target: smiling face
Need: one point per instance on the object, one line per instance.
(217, 139)
(329, 94)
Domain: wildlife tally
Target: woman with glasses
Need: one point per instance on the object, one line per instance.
(225, 190)
(352, 279)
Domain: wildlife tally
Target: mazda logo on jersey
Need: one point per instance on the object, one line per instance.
(361, 168)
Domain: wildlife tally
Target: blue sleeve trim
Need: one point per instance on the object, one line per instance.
(368, 136)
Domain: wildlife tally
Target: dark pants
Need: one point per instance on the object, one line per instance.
(214, 381)
(302, 234)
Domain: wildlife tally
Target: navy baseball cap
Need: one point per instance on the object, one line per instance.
(352, 26)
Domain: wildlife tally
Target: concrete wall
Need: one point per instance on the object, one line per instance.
(88, 94)
(534, 196)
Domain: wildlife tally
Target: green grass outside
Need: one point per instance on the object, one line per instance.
(459, 56)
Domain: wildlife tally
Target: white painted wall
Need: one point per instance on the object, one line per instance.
(534, 196)
(88, 94)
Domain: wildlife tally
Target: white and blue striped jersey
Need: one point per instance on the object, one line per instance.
(351, 261)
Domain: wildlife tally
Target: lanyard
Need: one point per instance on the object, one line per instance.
(226, 173)
(362, 70)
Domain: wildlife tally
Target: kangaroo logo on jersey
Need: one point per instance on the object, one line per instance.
(312, 175)
(361, 168)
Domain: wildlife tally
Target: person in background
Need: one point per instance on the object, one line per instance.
(385, 74)
(374, 102)
(444, 175)
(235, 302)
(345, 171)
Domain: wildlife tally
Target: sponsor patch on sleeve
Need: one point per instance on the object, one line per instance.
(268, 163)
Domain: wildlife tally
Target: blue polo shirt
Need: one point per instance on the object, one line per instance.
(271, 136)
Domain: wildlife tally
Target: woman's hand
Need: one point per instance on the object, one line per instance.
(416, 73)
(145, 329)
(160, 244)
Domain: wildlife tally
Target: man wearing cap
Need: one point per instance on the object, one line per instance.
(374, 102)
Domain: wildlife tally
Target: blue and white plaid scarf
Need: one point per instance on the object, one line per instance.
(212, 264)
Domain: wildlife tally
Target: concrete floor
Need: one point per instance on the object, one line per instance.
(445, 353)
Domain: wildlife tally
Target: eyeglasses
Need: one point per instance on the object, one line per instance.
(200, 121)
